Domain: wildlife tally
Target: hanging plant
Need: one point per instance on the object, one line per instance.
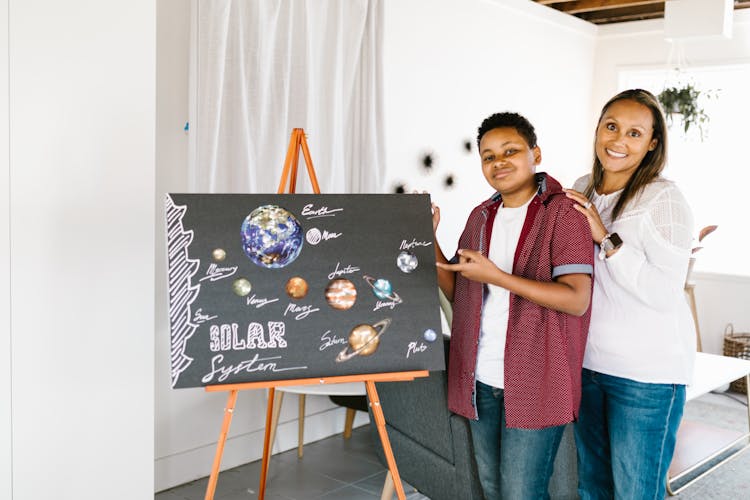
(683, 101)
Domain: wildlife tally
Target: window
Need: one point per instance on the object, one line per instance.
(713, 173)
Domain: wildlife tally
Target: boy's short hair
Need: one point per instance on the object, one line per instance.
(510, 120)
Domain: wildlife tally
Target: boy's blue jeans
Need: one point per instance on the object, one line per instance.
(625, 436)
(513, 464)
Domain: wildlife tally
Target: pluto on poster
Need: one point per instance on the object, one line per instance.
(267, 287)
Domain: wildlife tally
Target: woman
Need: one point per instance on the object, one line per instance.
(641, 343)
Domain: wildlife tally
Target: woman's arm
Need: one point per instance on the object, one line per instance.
(655, 272)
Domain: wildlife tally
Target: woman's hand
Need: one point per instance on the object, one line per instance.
(435, 217)
(474, 266)
(584, 205)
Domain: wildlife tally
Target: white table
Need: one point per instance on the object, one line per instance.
(699, 443)
(344, 389)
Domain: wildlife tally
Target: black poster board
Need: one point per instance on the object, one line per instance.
(267, 287)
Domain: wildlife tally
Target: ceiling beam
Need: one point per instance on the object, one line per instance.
(615, 11)
(639, 13)
(579, 6)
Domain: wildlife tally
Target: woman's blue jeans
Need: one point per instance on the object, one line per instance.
(513, 464)
(625, 436)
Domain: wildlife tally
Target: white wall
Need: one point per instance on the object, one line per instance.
(6, 436)
(81, 187)
(721, 299)
(449, 64)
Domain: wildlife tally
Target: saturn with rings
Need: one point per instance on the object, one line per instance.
(364, 340)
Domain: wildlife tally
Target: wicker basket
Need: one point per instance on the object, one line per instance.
(737, 345)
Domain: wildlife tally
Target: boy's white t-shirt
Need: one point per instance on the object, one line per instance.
(506, 231)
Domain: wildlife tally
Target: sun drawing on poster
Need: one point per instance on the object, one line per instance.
(182, 292)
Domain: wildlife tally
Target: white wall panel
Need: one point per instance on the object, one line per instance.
(81, 242)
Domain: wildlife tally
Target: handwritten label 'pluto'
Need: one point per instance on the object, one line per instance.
(312, 213)
(339, 271)
(329, 341)
(415, 347)
(413, 243)
(301, 311)
(215, 273)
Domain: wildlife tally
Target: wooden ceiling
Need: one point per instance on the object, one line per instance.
(616, 11)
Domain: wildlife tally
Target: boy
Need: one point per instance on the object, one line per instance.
(521, 288)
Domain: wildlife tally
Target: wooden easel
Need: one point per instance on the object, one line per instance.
(296, 142)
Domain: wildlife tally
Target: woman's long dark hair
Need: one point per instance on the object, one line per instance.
(652, 164)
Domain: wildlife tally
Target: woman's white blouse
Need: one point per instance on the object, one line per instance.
(641, 325)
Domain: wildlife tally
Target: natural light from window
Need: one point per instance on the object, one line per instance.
(713, 173)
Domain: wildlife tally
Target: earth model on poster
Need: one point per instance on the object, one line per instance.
(341, 294)
(296, 287)
(364, 340)
(242, 287)
(382, 289)
(271, 236)
(407, 261)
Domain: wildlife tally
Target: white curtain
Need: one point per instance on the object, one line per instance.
(260, 68)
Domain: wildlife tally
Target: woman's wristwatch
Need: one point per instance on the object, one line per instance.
(611, 241)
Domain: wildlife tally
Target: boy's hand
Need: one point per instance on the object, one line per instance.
(474, 266)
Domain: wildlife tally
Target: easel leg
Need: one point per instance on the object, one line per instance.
(301, 426)
(349, 423)
(231, 401)
(272, 418)
(388, 487)
(276, 400)
(377, 412)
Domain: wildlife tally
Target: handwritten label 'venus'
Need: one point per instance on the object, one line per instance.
(312, 213)
(345, 270)
(258, 302)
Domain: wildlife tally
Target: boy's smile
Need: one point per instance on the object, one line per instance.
(509, 164)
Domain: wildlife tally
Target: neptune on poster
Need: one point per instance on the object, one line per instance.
(285, 286)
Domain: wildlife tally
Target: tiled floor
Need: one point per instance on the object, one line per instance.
(335, 468)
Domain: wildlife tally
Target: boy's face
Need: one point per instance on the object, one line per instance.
(508, 163)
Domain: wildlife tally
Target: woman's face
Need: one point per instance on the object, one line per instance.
(623, 137)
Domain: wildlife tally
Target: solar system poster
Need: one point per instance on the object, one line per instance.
(266, 287)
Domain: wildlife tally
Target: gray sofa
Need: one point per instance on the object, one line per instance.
(432, 446)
